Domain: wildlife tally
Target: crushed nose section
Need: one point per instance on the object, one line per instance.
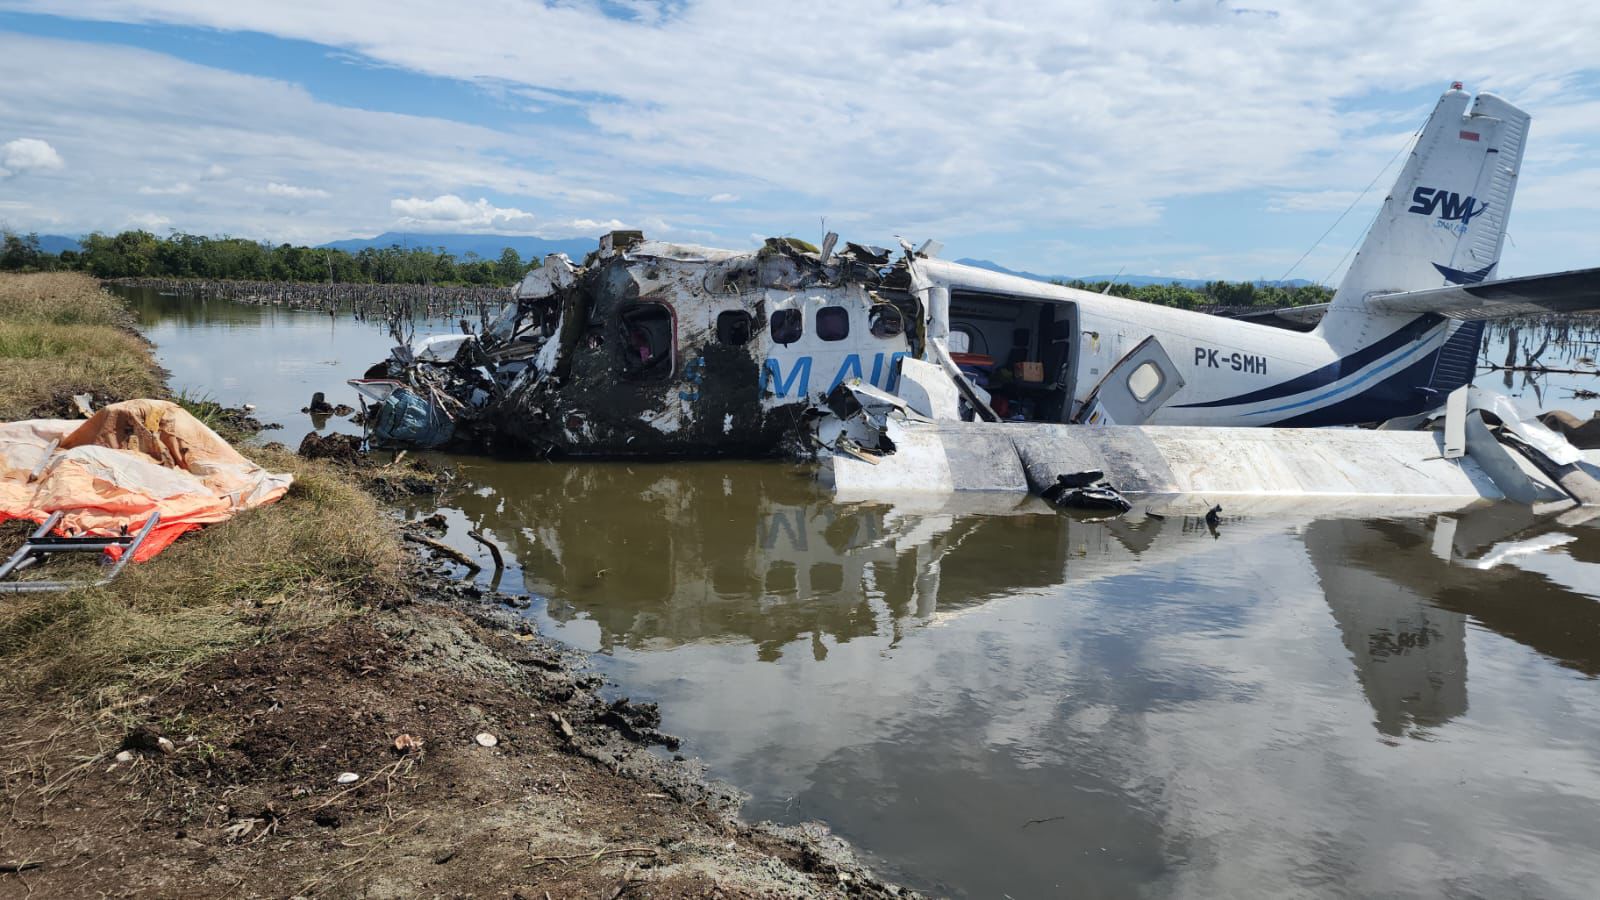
(650, 348)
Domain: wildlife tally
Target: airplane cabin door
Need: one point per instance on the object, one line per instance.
(1134, 388)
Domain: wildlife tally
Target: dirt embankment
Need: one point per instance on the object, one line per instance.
(485, 764)
(289, 705)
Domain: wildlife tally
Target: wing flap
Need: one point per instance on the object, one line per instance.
(1562, 292)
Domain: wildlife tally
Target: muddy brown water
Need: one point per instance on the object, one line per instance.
(994, 699)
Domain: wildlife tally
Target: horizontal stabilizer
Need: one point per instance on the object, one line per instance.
(1562, 292)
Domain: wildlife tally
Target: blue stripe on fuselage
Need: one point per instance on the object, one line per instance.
(1332, 372)
(1346, 385)
(1400, 394)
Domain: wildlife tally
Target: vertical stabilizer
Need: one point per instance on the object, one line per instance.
(1445, 221)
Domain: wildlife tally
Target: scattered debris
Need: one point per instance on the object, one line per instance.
(147, 740)
(14, 868)
(340, 448)
(563, 727)
(347, 778)
(400, 477)
(494, 549)
(1585, 435)
(1086, 490)
(405, 743)
(444, 550)
(485, 739)
(319, 405)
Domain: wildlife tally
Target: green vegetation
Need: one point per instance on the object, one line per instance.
(140, 254)
(1215, 293)
(319, 554)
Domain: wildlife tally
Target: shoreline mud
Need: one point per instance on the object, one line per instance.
(487, 762)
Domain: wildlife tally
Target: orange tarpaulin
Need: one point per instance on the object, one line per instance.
(130, 459)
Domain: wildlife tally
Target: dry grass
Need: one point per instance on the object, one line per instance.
(317, 555)
(314, 557)
(60, 334)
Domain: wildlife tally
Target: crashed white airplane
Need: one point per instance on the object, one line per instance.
(657, 349)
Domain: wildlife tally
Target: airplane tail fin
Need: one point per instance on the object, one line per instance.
(1444, 223)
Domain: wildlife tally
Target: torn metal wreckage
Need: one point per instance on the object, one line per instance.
(651, 349)
(904, 373)
(661, 350)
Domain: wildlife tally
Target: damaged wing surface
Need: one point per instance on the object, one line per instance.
(1562, 292)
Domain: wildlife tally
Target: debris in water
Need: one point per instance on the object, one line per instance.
(444, 550)
(319, 405)
(1086, 490)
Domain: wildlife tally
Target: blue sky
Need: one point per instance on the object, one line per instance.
(1203, 139)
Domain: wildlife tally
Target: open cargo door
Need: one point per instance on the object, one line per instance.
(1134, 388)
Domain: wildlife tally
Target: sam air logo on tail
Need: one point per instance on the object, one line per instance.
(1447, 205)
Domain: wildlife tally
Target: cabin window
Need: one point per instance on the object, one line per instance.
(733, 328)
(833, 323)
(1144, 381)
(787, 326)
(647, 342)
(885, 321)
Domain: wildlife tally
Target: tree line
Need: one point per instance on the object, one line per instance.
(140, 254)
(1214, 293)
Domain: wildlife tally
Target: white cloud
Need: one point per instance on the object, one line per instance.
(149, 222)
(1316, 201)
(231, 137)
(279, 189)
(448, 209)
(989, 123)
(176, 189)
(1575, 190)
(28, 155)
(723, 198)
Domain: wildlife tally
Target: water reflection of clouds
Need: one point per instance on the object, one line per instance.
(1285, 706)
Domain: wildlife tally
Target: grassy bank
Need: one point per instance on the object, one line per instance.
(323, 551)
(60, 335)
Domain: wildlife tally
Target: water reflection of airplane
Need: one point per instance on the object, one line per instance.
(1403, 591)
(709, 552)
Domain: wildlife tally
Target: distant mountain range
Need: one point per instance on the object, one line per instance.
(56, 243)
(488, 246)
(1135, 280)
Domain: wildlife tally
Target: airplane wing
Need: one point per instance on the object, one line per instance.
(1562, 292)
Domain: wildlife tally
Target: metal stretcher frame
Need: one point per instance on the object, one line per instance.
(42, 544)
